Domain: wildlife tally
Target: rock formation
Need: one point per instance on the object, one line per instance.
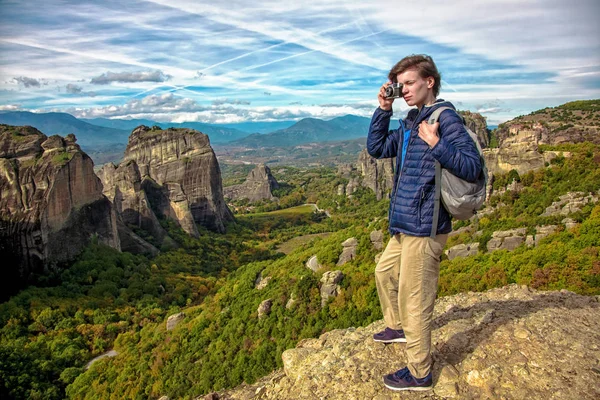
(174, 320)
(313, 264)
(377, 239)
(264, 308)
(51, 202)
(570, 203)
(168, 173)
(349, 252)
(511, 343)
(506, 240)
(462, 250)
(261, 282)
(259, 185)
(329, 285)
(123, 187)
(478, 125)
(377, 175)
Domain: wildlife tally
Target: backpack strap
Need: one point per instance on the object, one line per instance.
(436, 201)
(433, 118)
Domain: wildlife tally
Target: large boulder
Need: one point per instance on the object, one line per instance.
(349, 251)
(329, 285)
(264, 308)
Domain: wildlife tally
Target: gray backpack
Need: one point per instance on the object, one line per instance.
(460, 198)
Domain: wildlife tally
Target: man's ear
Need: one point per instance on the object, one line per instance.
(430, 82)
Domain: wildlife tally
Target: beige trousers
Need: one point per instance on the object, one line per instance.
(407, 276)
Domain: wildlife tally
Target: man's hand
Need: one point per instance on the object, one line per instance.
(429, 133)
(384, 104)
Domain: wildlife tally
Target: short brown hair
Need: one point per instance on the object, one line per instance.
(423, 64)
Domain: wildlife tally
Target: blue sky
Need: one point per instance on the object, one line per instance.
(236, 61)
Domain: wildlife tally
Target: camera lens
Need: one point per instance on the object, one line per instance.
(389, 91)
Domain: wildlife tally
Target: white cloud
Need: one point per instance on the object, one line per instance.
(27, 82)
(127, 77)
(10, 107)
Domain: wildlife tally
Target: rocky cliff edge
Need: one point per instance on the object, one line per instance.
(506, 343)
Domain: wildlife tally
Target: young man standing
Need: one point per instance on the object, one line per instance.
(407, 273)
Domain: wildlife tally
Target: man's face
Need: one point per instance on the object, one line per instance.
(417, 91)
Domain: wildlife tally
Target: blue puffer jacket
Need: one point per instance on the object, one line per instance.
(412, 199)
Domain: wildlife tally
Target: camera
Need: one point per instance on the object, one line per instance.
(393, 91)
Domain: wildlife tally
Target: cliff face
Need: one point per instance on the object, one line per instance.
(51, 202)
(172, 173)
(507, 343)
(378, 175)
(259, 185)
(519, 139)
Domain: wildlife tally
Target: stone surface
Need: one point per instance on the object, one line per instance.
(377, 239)
(462, 250)
(506, 240)
(329, 285)
(180, 175)
(264, 308)
(122, 185)
(261, 282)
(377, 175)
(291, 301)
(570, 203)
(51, 203)
(569, 223)
(259, 185)
(543, 231)
(349, 251)
(507, 343)
(313, 264)
(174, 320)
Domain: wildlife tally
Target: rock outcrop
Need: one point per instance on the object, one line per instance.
(506, 240)
(259, 185)
(570, 203)
(349, 251)
(123, 187)
(377, 175)
(462, 250)
(313, 264)
(377, 239)
(264, 308)
(329, 285)
(511, 343)
(51, 202)
(174, 320)
(261, 282)
(168, 173)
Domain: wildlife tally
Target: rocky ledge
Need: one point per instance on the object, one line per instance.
(507, 343)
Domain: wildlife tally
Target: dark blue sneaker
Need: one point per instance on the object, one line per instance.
(390, 336)
(403, 380)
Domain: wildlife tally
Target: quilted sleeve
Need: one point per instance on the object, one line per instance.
(382, 142)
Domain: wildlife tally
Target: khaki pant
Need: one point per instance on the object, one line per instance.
(407, 277)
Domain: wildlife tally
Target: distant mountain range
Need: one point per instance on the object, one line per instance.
(94, 134)
(217, 133)
(310, 130)
(88, 135)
